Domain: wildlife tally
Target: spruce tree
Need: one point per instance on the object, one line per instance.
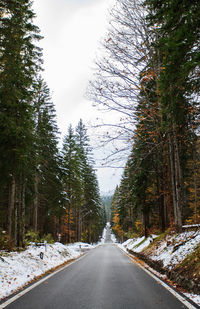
(91, 211)
(46, 162)
(20, 59)
(72, 182)
(177, 23)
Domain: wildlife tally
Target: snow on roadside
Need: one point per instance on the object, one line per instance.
(169, 256)
(18, 269)
(113, 238)
(103, 237)
(194, 297)
(137, 244)
(168, 251)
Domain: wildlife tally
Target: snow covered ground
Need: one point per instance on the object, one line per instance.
(137, 244)
(108, 229)
(168, 251)
(19, 269)
(103, 237)
(170, 257)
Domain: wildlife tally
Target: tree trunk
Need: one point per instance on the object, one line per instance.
(145, 218)
(11, 206)
(195, 187)
(22, 229)
(178, 183)
(79, 225)
(160, 193)
(20, 212)
(175, 180)
(68, 225)
(35, 204)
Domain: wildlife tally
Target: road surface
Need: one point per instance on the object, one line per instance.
(104, 278)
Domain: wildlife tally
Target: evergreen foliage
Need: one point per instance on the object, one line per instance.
(151, 75)
(84, 218)
(42, 191)
(20, 60)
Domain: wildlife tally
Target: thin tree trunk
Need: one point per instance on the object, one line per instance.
(145, 219)
(195, 188)
(35, 204)
(79, 225)
(18, 213)
(178, 182)
(172, 176)
(160, 193)
(23, 215)
(11, 206)
(68, 225)
(175, 170)
(16, 223)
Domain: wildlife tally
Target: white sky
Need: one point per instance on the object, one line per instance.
(72, 30)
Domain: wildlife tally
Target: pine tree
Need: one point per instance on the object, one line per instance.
(20, 59)
(72, 182)
(179, 36)
(46, 174)
(91, 211)
(92, 204)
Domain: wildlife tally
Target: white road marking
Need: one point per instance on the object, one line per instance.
(172, 291)
(177, 295)
(12, 299)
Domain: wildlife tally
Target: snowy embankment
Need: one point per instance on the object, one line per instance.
(175, 249)
(170, 251)
(103, 237)
(17, 269)
(137, 244)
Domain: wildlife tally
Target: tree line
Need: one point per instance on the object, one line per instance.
(150, 74)
(42, 188)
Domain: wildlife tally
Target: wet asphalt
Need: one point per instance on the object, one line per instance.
(104, 278)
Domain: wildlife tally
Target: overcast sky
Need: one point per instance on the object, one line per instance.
(72, 30)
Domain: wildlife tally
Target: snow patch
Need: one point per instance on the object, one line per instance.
(18, 269)
(169, 255)
(103, 237)
(171, 251)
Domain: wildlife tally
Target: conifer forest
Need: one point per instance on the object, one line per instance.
(44, 190)
(150, 73)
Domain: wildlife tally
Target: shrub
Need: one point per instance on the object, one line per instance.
(48, 238)
(5, 242)
(31, 236)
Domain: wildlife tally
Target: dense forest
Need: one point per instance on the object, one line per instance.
(44, 191)
(150, 73)
(107, 200)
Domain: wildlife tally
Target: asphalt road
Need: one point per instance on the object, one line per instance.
(104, 278)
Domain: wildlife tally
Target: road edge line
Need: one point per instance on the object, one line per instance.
(38, 282)
(166, 286)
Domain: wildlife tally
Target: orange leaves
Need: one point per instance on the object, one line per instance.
(117, 228)
(147, 75)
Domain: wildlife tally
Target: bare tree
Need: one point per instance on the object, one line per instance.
(116, 83)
